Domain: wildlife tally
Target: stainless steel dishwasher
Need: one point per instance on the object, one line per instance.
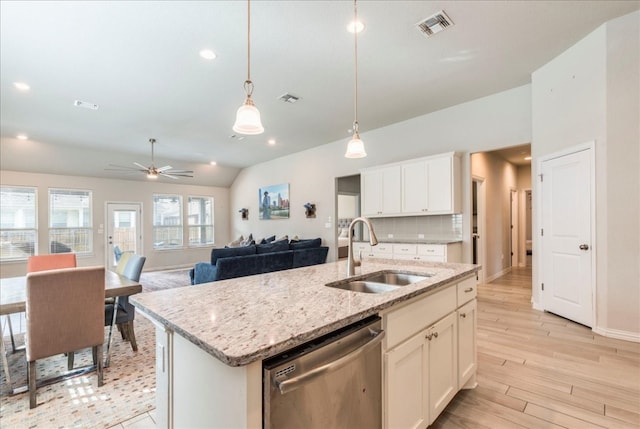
(334, 381)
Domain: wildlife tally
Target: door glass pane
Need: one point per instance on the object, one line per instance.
(124, 235)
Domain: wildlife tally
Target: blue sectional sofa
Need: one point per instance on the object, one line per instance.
(232, 262)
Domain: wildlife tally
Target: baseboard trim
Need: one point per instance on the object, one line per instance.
(497, 275)
(618, 334)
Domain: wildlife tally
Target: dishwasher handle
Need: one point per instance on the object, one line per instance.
(291, 384)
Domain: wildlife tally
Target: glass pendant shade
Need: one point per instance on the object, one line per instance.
(355, 148)
(248, 119)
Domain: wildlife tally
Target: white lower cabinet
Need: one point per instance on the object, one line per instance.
(467, 362)
(430, 355)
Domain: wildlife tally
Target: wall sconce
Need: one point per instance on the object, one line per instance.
(310, 210)
(244, 213)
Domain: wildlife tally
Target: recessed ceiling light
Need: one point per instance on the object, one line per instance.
(22, 137)
(21, 86)
(207, 54)
(355, 27)
(527, 158)
(271, 141)
(213, 163)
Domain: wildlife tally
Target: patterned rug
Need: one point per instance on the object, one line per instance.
(129, 382)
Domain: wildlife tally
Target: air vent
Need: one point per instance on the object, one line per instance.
(288, 98)
(285, 371)
(85, 104)
(434, 24)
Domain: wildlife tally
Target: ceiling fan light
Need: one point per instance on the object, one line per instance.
(355, 148)
(248, 119)
(152, 175)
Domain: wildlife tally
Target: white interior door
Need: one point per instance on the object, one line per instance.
(479, 216)
(124, 229)
(566, 236)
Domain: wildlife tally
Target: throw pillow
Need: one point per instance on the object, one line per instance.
(344, 232)
(270, 239)
(276, 246)
(247, 241)
(284, 237)
(236, 242)
(306, 244)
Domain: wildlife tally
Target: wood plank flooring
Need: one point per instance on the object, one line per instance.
(538, 370)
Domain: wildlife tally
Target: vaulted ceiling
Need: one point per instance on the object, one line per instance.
(139, 62)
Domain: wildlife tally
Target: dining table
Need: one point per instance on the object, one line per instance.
(13, 299)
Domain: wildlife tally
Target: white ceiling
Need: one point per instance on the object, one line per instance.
(138, 60)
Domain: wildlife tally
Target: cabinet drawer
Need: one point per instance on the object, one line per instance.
(467, 290)
(432, 249)
(382, 248)
(404, 322)
(404, 249)
(361, 247)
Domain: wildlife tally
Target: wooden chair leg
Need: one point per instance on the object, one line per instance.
(122, 332)
(99, 364)
(132, 336)
(70, 358)
(94, 355)
(31, 375)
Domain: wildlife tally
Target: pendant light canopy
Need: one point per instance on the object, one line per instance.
(248, 117)
(355, 147)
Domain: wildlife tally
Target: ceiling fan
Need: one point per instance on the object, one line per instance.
(152, 171)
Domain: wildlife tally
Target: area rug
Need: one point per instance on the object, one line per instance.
(128, 390)
(160, 280)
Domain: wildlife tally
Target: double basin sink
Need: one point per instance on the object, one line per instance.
(379, 282)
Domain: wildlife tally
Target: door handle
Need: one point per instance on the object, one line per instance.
(584, 247)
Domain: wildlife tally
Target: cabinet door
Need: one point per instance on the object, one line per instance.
(467, 361)
(405, 384)
(372, 193)
(443, 364)
(391, 190)
(439, 185)
(414, 187)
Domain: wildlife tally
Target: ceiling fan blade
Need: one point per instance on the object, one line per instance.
(165, 168)
(114, 167)
(141, 166)
(180, 172)
(170, 176)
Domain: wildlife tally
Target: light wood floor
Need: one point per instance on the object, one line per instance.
(538, 370)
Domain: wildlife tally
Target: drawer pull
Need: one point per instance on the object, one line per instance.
(463, 315)
(435, 334)
(429, 336)
(468, 290)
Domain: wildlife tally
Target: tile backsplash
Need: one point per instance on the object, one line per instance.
(440, 227)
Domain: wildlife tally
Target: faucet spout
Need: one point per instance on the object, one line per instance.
(373, 240)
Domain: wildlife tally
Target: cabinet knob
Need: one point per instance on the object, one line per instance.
(463, 315)
(468, 290)
(428, 337)
(435, 334)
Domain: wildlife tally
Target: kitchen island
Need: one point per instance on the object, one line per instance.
(212, 338)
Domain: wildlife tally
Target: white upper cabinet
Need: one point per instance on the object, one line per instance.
(381, 191)
(422, 186)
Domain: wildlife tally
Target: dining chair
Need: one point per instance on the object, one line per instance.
(126, 311)
(51, 262)
(65, 309)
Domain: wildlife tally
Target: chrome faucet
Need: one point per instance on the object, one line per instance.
(373, 240)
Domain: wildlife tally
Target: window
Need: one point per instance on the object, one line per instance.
(18, 223)
(70, 221)
(167, 221)
(200, 219)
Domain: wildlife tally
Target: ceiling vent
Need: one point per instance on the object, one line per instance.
(434, 24)
(288, 98)
(85, 104)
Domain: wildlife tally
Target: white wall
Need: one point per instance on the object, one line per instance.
(592, 92)
(493, 122)
(109, 190)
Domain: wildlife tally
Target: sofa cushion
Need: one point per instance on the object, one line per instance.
(203, 272)
(305, 244)
(276, 246)
(306, 257)
(231, 251)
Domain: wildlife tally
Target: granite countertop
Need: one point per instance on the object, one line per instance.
(243, 320)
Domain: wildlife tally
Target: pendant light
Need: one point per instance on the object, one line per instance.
(355, 147)
(248, 117)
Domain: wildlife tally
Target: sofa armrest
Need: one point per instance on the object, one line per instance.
(204, 272)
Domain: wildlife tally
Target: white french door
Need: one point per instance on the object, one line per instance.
(124, 229)
(567, 236)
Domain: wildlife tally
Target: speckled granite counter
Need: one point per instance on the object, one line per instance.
(243, 320)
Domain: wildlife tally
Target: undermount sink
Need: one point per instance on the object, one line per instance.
(378, 282)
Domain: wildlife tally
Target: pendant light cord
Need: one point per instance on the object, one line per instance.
(248, 85)
(355, 38)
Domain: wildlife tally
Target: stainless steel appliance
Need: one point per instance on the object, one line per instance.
(332, 382)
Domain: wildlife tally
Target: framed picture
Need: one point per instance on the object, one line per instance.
(274, 202)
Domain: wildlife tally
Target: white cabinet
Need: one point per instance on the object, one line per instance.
(422, 186)
(451, 252)
(431, 186)
(429, 355)
(381, 191)
(421, 375)
(467, 361)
